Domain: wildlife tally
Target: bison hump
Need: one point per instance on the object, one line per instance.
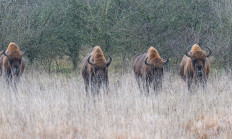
(97, 53)
(152, 53)
(12, 47)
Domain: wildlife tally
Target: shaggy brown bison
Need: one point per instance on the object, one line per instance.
(12, 63)
(195, 66)
(95, 71)
(148, 68)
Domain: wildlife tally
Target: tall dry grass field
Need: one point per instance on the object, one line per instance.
(54, 106)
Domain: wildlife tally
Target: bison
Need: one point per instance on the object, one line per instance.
(12, 63)
(148, 69)
(195, 66)
(95, 71)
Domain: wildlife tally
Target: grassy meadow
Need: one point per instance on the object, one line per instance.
(55, 106)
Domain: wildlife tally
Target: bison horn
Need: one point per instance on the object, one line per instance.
(187, 54)
(4, 52)
(108, 63)
(166, 60)
(210, 52)
(89, 61)
(23, 52)
(147, 63)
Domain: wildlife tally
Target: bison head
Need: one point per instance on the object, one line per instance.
(100, 69)
(198, 58)
(157, 71)
(14, 61)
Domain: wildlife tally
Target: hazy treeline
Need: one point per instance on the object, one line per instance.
(55, 32)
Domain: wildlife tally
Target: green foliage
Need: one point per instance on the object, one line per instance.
(53, 30)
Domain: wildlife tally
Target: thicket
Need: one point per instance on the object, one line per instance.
(57, 34)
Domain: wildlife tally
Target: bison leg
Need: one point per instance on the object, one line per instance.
(94, 86)
(7, 79)
(189, 81)
(203, 83)
(7, 76)
(147, 85)
(157, 84)
(145, 82)
(85, 76)
(86, 81)
(98, 86)
(138, 79)
(15, 81)
(106, 87)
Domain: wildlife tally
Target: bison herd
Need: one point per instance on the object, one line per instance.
(148, 68)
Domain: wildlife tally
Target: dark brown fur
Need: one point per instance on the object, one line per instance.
(150, 72)
(95, 71)
(195, 66)
(12, 63)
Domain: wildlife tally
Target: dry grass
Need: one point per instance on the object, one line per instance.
(56, 107)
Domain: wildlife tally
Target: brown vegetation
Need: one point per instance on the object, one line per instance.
(53, 106)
